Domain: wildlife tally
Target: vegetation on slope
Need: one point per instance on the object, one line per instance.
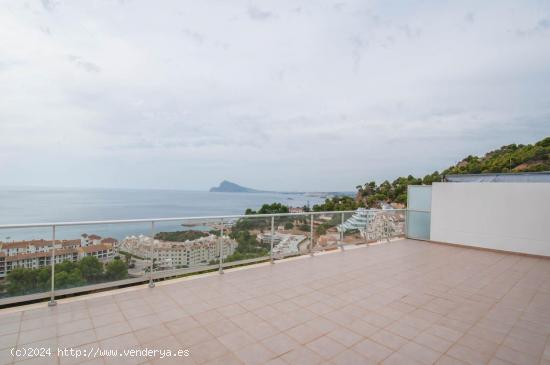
(181, 236)
(512, 158)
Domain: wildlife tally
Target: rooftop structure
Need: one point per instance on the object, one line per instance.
(542, 176)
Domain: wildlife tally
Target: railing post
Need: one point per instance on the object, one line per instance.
(342, 233)
(311, 234)
(406, 222)
(221, 249)
(387, 229)
(151, 267)
(272, 239)
(52, 301)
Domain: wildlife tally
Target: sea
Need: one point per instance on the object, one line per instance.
(46, 205)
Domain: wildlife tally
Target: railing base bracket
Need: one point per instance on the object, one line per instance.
(52, 303)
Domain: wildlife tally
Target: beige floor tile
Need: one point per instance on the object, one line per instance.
(183, 324)
(280, 343)
(261, 330)
(7, 341)
(304, 333)
(207, 351)
(468, 355)
(193, 336)
(419, 353)
(303, 356)
(77, 339)
(152, 333)
(345, 336)
(448, 360)
(254, 354)
(350, 357)
(236, 340)
(112, 330)
(516, 357)
(326, 347)
(433, 342)
(398, 359)
(389, 339)
(372, 350)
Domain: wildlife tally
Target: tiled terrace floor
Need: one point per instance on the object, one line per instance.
(405, 302)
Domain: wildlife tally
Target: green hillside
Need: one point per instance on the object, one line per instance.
(511, 158)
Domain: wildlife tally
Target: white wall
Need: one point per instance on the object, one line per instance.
(503, 216)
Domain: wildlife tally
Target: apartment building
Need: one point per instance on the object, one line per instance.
(35, 254)
(171, 255)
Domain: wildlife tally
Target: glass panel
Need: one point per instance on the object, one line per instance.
(94, 255)
(25, 261)
(419, 197)
(186, 246)
(354, 227)
(249, 240)
(419, 216)
(325, 229)
(291, 236)
(418, 225)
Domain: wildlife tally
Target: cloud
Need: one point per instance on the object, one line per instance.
(85, 65)
(193, 35)
(96, 93)
(257, 14)
(49, 5)
(542, 26)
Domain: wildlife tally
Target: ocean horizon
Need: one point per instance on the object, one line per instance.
(51, 204)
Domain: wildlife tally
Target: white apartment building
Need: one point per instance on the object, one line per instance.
(374, 225)
(170, 255)
(35, 254)
(283, 243)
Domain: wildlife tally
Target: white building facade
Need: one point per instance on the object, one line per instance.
(173, 255)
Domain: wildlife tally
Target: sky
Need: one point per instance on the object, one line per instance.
(278, 95)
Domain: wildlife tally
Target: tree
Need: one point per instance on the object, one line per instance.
(69, 279)
(181, 236)
(116, 270)
(273, 208)
(337, 203)
(25, 281)
(289, 225)
(91, 269)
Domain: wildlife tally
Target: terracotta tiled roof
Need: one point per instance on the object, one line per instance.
(37, 243)
(109, 240)
(24, 256)
(95, 248)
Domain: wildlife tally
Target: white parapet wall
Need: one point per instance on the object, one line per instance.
(502, 216)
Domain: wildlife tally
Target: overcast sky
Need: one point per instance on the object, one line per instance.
(282, 95)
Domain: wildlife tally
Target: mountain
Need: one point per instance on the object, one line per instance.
(230, 187)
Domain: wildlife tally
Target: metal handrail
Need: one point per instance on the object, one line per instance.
(152, 275)
(173, 219)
